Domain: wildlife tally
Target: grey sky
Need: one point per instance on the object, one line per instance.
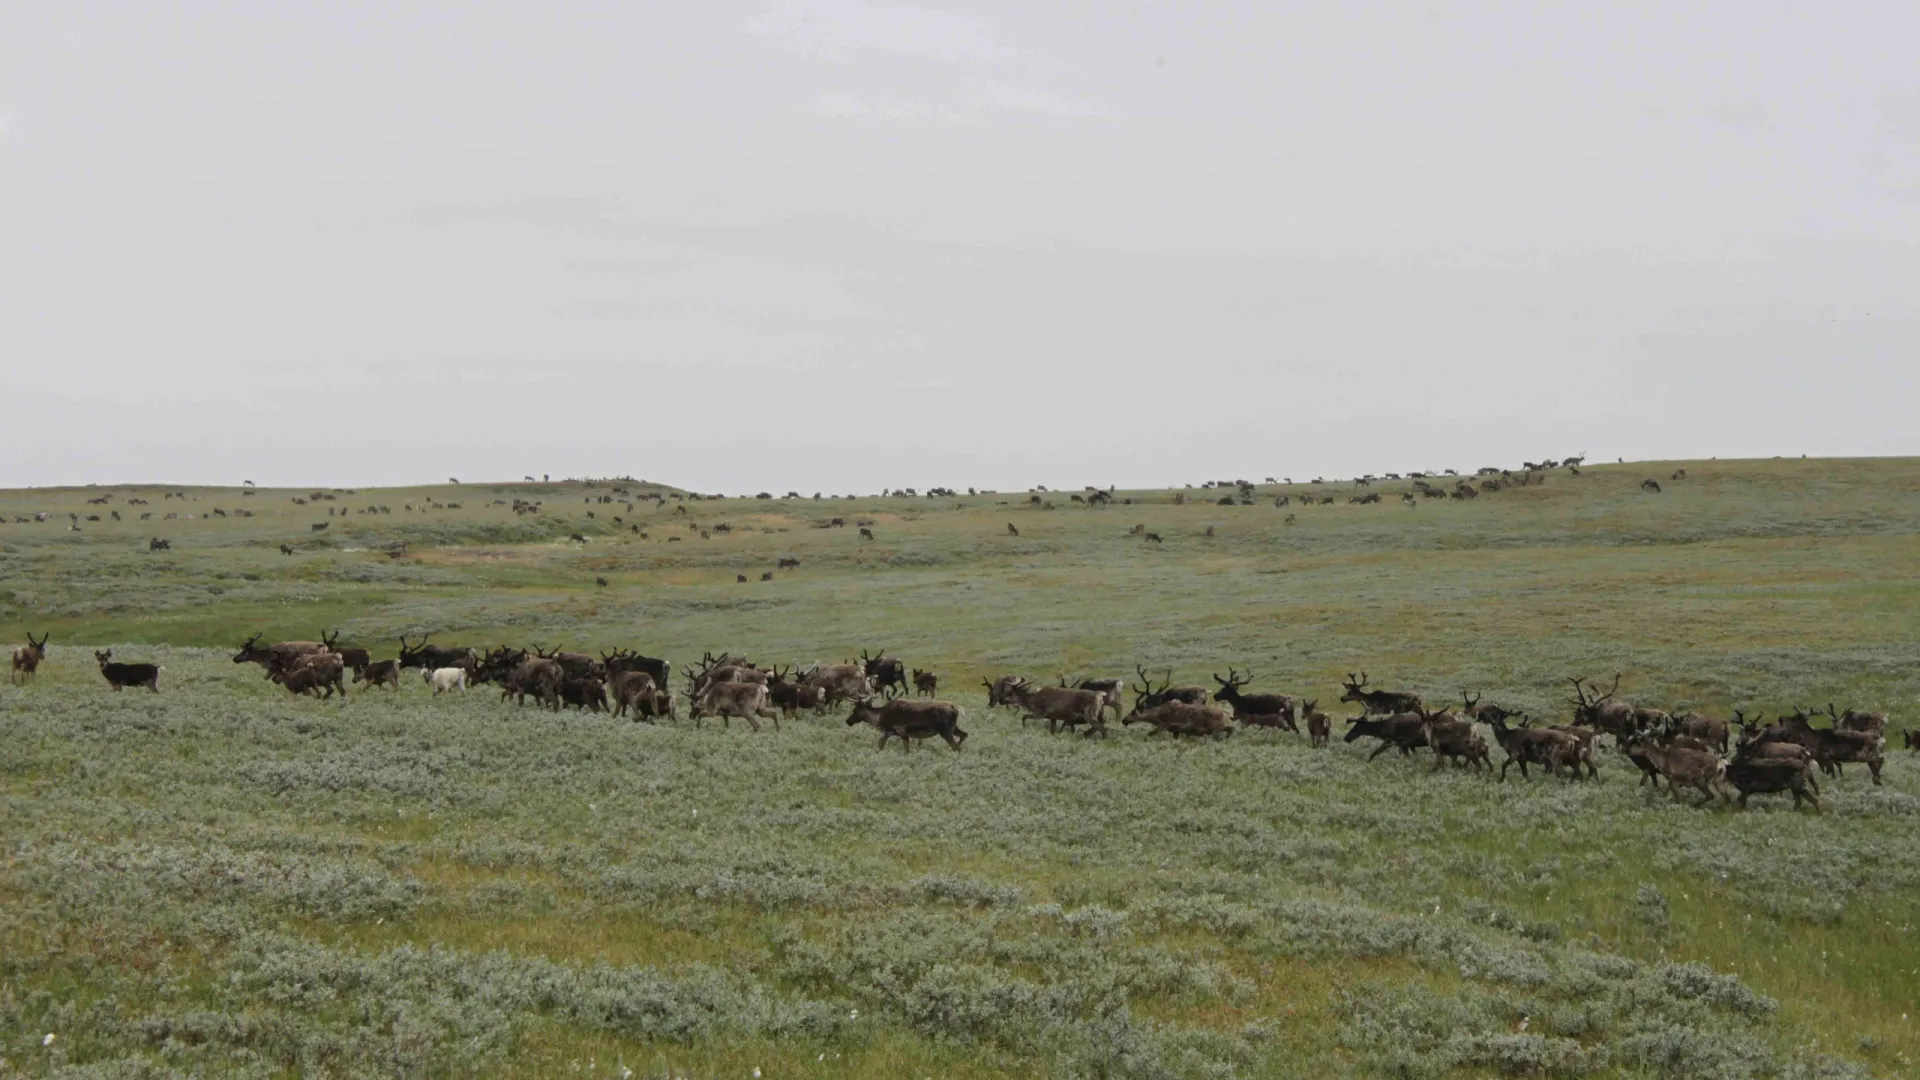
(840, 245)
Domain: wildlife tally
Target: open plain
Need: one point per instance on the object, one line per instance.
(226, 879)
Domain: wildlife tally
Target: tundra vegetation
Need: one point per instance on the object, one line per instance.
(225, 878)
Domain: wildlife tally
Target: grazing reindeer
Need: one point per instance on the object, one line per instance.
(1152, 538)
(285, 550)
(1261, 710)
(866, 533)
(157, 544)
(1650, 485)
(26, 658)
(1011, 531)
(925, 683)
(1319, 724)
(789, 564)
(1378, 702)
(124, 675)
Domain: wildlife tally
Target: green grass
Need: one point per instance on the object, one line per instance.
(224, 880)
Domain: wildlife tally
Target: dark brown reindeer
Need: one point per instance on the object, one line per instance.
(1011, 531)
(1259, 710)
(1405, 732)
(1650, 485)
(866, 533)
(120, 676)
(379, 672)
(1378, 702)
(353, 658)
(435, 657)
(26, 659)
(888, 674)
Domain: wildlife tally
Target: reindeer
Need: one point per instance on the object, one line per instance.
(1319, 725)
(1454, 740)
(285, 550)
(1544, 747)
(26, 659)
(1873, 723)
(887, 674)
(1182, 719)
(1060, 706)
(999, 691)
(1146, 697)
(925, 683)
(157, 544)
(1405, 732)
(910, 720)
(1650, 485)
(1261, 710)
(1011, 531)
(378, 672)
(311, 673)
(350, 656)
(1683, 767)
(1109, 687)
(729, 699)
(1474, 709)
(789, 564)
(1600, 712)
(276, 657)
(119, 676)
(866, 533)
(790, 697)
(1378, 702)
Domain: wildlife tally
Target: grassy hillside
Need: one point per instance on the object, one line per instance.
(226, 880)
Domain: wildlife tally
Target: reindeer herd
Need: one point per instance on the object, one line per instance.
(1713, 756)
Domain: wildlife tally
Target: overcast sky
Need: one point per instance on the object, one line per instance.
(737, 246)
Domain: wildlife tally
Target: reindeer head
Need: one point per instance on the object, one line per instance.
(1231, 685)
(249, 651)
